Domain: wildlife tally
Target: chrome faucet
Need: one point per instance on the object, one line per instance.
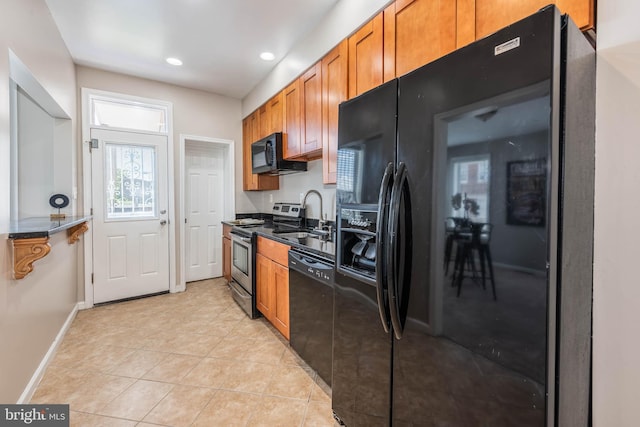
(321, 221)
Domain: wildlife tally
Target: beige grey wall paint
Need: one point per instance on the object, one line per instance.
(616, 287)
(32, 310)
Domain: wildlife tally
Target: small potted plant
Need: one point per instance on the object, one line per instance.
(469, 205)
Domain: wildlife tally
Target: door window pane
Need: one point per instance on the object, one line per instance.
(130, 181)
(128, 115)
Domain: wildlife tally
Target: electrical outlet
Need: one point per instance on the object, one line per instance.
(270, 198)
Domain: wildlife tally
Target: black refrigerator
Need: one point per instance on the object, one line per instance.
(465, 234)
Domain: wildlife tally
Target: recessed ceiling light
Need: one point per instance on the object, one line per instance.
(174, 61)
(267, 56)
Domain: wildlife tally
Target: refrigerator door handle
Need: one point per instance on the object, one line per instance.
(399, 183)
(383, 208)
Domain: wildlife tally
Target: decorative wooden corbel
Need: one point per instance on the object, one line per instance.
(26, 252)
(74, 232)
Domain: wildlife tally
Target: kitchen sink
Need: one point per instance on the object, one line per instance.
(322, 235)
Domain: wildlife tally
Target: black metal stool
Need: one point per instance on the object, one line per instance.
(477, 241)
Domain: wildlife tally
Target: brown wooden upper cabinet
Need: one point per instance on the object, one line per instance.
(274, 107)
(291, 120)
(270, 116)
(250, 134)
(366, 57)
(311, 109)
(417, 32)
(264, 121)
(479, 18)
(302, 108)
(334, 91)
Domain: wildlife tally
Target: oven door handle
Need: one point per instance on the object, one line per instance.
(237, 236)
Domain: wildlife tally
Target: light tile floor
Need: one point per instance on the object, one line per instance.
(187, 359)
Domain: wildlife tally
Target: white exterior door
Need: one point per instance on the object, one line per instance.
(204, 200)
(130, 198)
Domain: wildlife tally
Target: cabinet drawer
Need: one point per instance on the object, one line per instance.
(273, 250)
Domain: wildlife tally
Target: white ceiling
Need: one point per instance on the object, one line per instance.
(497, 121)
(218, 41)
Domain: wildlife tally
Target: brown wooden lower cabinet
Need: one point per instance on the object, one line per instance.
(264, 285)
(280, 276)
(272, 283)
(226, 252)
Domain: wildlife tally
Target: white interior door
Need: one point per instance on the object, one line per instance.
(130, 197)
(204, 200)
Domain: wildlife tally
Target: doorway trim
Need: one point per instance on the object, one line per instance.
(229, 201)
(87, 202)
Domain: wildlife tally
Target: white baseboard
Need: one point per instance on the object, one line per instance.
(27, 394)
(82, 305)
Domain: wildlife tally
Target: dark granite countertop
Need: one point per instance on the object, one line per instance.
(29, 228)
(302, 241)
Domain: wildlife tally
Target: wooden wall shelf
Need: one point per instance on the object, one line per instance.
(31, 239)
(74, 232)
(26, 252)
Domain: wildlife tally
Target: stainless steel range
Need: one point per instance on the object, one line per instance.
(287, 218)
(242, 260)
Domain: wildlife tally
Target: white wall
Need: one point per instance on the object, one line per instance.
(32, 310)
(294, 185)
(616, 351)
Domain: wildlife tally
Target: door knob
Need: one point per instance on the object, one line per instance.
(163, 222)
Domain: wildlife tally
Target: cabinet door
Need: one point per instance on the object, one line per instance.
(417, 32)
(491, 15)
(251, 181)
(264, 121)
(334, 91)
(247, 138)
(311, 109)
(265, 292)
(226, 258)
(291, 113)
(275, 113)
(366, 57)
(281, 286)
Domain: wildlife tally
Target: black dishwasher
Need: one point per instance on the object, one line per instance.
(311, 310)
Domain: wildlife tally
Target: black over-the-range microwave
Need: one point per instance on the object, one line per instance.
(266, 157)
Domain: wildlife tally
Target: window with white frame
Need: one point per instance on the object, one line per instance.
(470, 184)
(125, 114)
